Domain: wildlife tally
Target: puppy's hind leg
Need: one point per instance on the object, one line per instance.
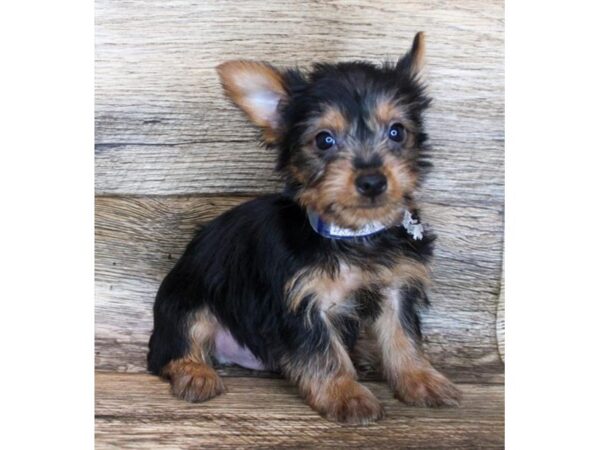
(192, 378)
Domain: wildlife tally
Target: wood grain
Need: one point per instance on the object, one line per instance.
(139, 239)
(163, 125)
(135, 411)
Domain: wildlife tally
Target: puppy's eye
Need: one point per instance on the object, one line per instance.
(324, 140)
(396, 132)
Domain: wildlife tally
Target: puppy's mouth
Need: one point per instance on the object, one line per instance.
(363, 206)
(361, 214)
(374, 203)
(374, 206)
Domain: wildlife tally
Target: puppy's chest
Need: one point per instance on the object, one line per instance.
(352, 288)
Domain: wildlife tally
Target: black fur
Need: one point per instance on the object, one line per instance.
(413, 296)
(238, 266)
(368, 302)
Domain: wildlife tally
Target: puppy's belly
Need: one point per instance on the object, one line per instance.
(228, 351)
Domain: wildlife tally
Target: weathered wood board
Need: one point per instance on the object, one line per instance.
(171, 152)
(135, 411)
(163, 125)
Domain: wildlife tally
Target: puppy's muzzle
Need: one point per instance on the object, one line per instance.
(371, 185)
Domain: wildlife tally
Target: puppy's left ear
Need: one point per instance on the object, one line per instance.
(257, 89)
(414, 60)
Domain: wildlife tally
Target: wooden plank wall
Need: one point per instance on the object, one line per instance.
(171, 152)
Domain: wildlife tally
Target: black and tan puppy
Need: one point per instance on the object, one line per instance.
(334, 266)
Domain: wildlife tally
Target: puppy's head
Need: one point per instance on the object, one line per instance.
(349, 135)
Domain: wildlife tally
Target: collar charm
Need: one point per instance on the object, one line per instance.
(412, 226)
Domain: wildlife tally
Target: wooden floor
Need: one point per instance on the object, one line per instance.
(136, 411)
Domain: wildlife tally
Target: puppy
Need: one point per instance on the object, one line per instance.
(334, 266)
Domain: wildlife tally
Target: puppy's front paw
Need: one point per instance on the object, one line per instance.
(346, 401)
(195, 382)
(427, 387)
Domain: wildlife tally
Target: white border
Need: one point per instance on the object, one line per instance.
(552, 224)
(46, 188)
(46, 181)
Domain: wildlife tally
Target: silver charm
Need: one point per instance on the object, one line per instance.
(412, 226)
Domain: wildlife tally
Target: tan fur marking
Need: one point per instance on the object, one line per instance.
(331, 119)
(388, 111)
(335, 188)
(333, 294)
(335, 197)
(297, 174)
(418, 53)
(193, 381)
(192, 378)
(329, 291)
(343, 399)
(408, 372)
(401, 178)
(336, 200)
(249, 84)
(202, 334)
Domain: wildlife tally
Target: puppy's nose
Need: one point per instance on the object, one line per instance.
(371, 185)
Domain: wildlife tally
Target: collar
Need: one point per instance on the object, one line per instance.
(332, 231)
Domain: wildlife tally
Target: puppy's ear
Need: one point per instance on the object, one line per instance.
(414, 60)
(257, 89)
